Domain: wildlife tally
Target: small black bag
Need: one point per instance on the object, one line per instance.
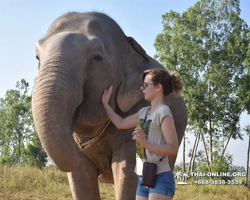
(148, 174)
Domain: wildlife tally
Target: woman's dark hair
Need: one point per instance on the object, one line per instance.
(169, 82)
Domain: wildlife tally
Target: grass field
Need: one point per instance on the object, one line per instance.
(26, 183)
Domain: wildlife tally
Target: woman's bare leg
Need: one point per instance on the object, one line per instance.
(141, 198)
(155, 196)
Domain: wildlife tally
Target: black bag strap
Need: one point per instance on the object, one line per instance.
(145, 118)
(144, 121)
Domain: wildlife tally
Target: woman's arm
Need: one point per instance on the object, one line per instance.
(119, 122)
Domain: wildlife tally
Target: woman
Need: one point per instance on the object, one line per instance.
(158, 136)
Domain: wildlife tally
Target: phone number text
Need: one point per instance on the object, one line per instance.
(218, 182)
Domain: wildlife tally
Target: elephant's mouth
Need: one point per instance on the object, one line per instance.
(91, 119)
(92, 112)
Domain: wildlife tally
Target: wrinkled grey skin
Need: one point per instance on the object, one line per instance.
(81, 55)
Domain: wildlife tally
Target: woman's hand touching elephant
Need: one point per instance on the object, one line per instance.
(106, 95)
(139, 134)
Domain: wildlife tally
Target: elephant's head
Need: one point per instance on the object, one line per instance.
(81, 55)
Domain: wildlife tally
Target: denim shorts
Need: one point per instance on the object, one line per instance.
(164, 184)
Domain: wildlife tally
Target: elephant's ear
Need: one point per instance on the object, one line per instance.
(138, 47)
(136, 63)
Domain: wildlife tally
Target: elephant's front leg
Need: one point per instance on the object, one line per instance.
(125, 180)
(83, 181)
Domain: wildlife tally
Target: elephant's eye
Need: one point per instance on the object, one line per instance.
(97, 58)
(37, 57)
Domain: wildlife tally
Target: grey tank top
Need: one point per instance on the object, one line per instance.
(152, 129)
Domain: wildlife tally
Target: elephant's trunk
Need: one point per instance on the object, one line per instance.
(54, 102)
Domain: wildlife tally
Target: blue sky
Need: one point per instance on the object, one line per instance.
(24, 22)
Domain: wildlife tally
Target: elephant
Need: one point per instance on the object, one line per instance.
(80, 56)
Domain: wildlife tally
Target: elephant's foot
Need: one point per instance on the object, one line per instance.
(83, 181)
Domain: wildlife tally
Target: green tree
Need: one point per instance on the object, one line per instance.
(17, 128)
(207, 45)
(33, 154)
(244, 91)
(15, 107)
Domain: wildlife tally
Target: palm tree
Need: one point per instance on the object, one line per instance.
(185, 176)
(178, 175)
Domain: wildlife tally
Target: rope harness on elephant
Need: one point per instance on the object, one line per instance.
(84, 143)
